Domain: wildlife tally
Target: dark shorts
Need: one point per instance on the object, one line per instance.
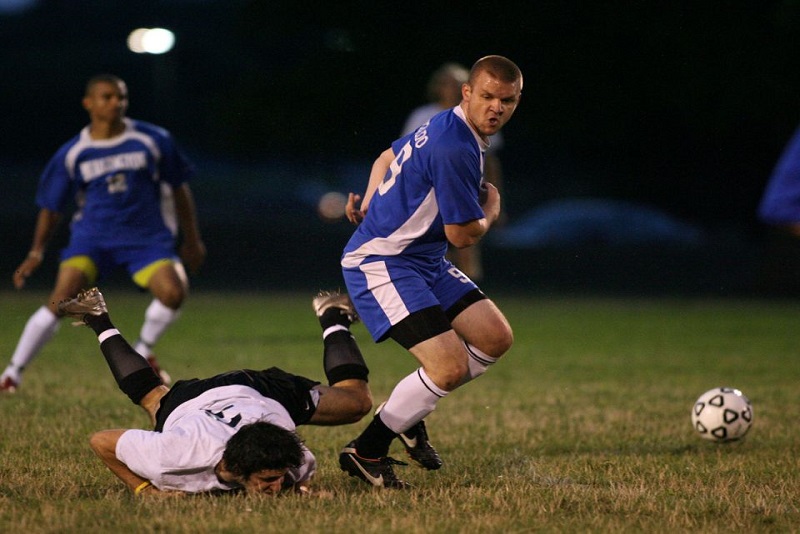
(291, 391)
(430, 322)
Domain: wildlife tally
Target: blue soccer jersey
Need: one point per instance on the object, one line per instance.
(781, 201)
(394, 263)
(433, 181)
(119, 184)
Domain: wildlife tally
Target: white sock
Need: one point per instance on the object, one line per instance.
(478, 363)
(412, 399)
(157, 318)
(40, 328)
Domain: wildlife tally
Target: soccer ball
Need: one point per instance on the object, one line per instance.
(722, 414)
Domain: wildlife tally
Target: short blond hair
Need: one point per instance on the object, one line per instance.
(498, 67)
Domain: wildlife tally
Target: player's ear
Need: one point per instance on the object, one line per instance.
(466, 90)
(222, 472)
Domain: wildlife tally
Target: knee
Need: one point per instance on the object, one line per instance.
(359, 408)
(497, 342)
(358, 404)
(449, 377)
(171, 296)
(363, 407)
(502, 341)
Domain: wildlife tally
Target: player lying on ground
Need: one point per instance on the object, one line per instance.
(233, 431)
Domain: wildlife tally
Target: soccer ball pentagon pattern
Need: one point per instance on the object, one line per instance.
(722, 415)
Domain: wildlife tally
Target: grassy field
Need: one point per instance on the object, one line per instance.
(583, 427)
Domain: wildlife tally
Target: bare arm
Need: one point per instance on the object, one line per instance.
(104, 444)
(376, 175)
(469, 233)
(46, 224)
(193, 250)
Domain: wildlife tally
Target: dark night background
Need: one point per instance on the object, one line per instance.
(679, 107)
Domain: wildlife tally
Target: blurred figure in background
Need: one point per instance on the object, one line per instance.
(129, 181)
(444, 92)
(780, 211)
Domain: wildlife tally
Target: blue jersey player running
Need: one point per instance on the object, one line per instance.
(130, 183)
(425, 191)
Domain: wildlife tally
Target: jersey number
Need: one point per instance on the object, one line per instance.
(458, 275)
(395, 168)
(117, 183)
(220, 416)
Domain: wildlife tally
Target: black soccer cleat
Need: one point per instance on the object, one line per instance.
(419, 448)
(378, 473)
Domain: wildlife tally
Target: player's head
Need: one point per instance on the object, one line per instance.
(492, 93)
(260, 454)
(445, 84)
(106, 97)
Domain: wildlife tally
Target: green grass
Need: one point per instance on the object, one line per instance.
(583, 427)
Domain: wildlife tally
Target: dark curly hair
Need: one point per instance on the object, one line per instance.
(259, 446)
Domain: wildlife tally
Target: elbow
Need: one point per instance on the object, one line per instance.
(466, 235)
(104, 443)
(464, 242)
(96, 443)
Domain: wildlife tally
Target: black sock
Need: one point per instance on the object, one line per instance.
(411, 433)
(332, 317)
(98, 323)
(375, 440)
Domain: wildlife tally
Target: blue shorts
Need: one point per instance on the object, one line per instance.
(107, 259)
(388, 289)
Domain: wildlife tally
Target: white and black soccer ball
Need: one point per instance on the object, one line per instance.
(722, 414)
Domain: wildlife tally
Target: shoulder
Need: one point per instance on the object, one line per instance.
(149, 128)
(67, 153)
(449, 133)
(66, 147)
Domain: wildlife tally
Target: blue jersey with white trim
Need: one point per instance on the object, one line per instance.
(122, 186)
(433, 181)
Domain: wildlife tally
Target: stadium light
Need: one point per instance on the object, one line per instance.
(151, 41)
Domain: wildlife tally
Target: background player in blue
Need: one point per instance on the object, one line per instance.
(130, 183)
(780, 205)
(779, 210)
(424, 192)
